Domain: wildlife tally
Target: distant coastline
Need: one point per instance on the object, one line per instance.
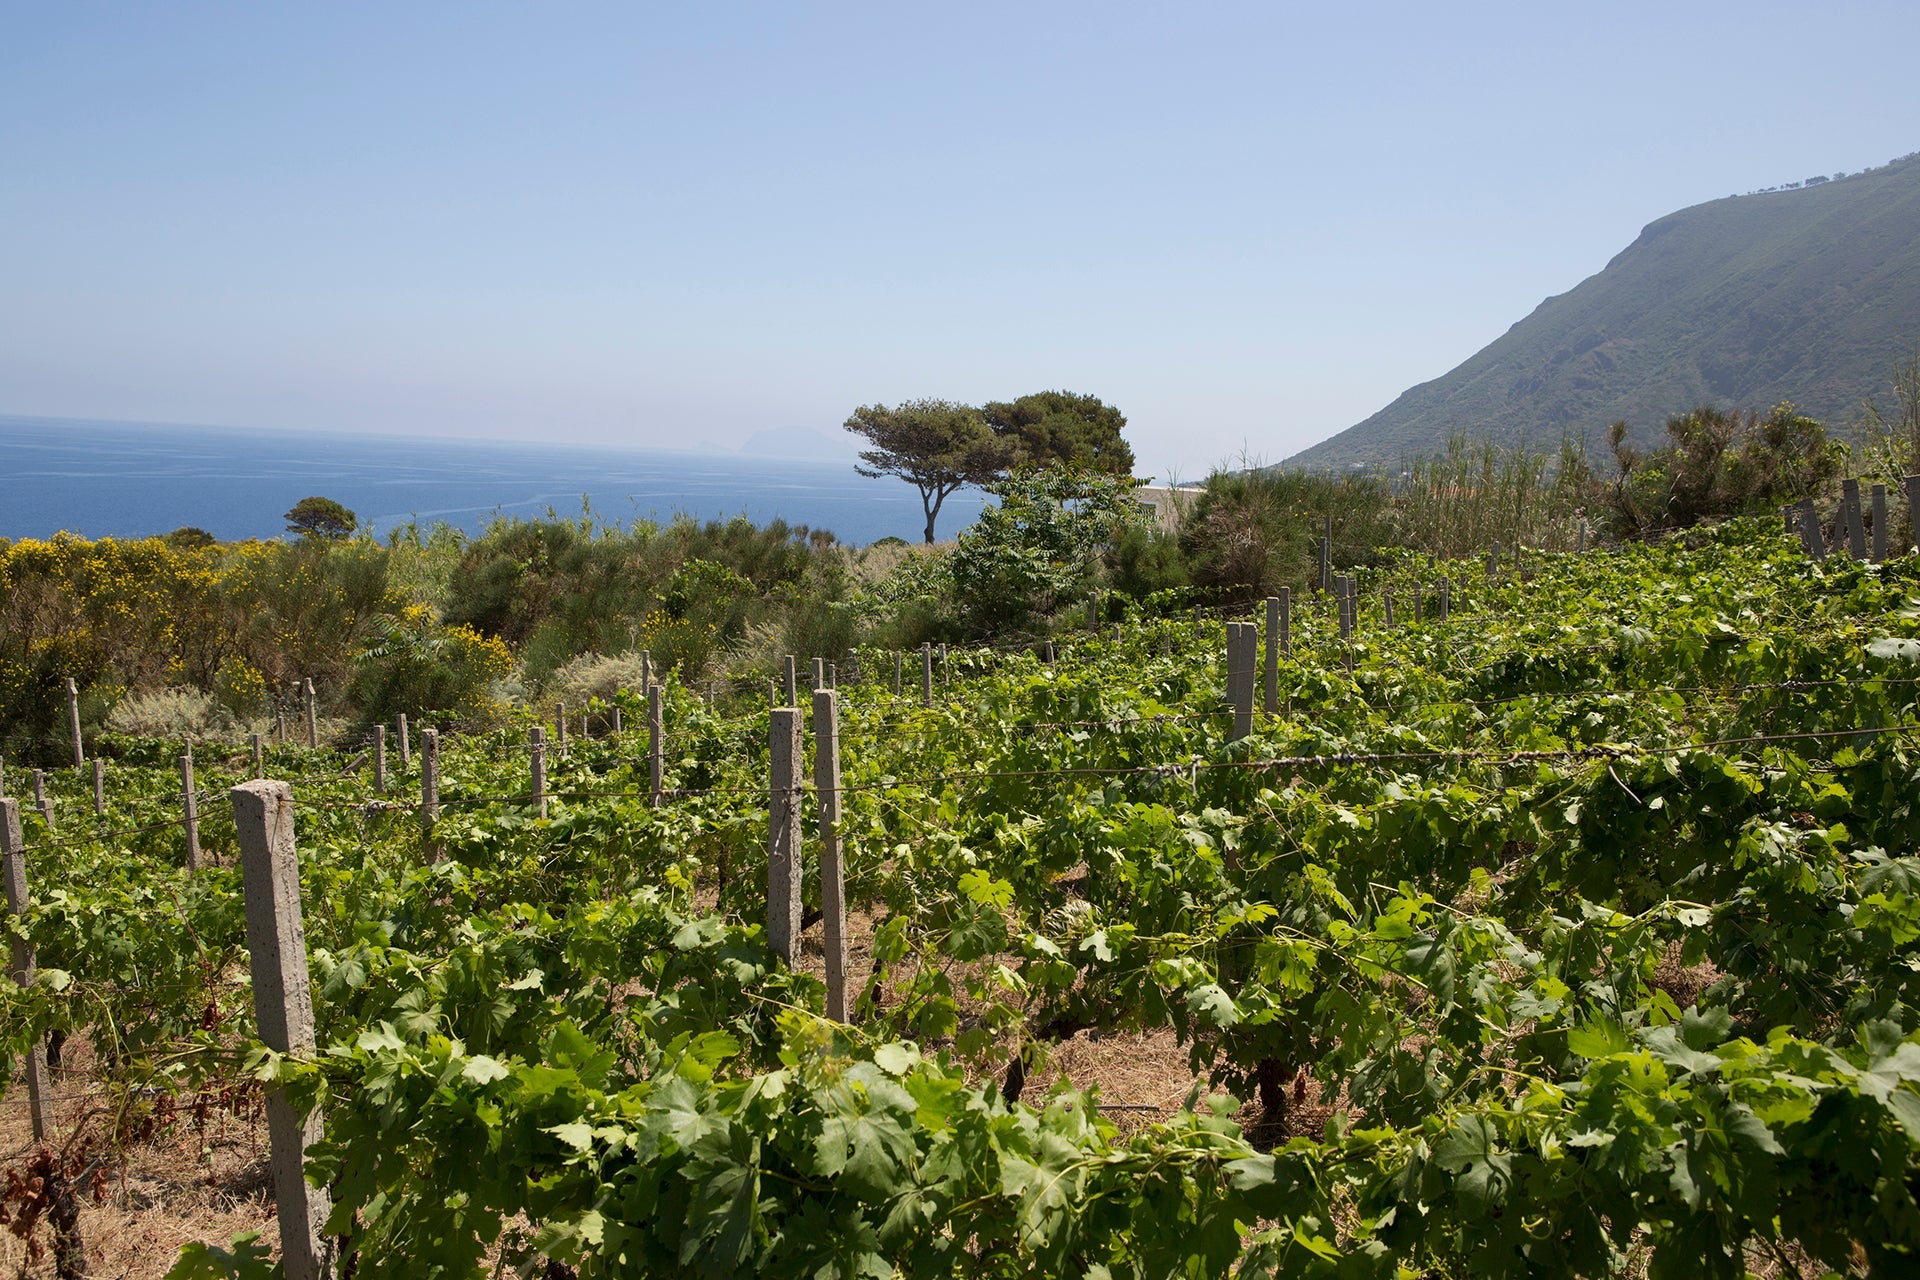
(125, 479)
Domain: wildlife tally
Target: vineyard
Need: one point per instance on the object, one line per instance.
(1565, 923)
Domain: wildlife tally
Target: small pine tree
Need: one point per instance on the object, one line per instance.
(320, 518)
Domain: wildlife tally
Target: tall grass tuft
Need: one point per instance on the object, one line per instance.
(1476, 493)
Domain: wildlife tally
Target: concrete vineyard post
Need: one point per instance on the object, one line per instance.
(926, 673)
(1242, 656)
(100, 787)
(833, 675)
(784, 871)
(313, 716)
(259, 756)
(618, 730)
(1445, 603)
(1879, 524)
(560, 727)
(380, 759)
(1493, 563)
(406, 748)
(1233, 675)
(430, 791)
(1386, 600)
(819, 673)
(1093, 610)
(1810, 536)
(773, 692)
(13, 849)
(1116, 635)
(537, 766)
(946, 672)
(283, 1010)
(833, 891)
(1250, 665)
(190, 804)
(280, 725)
(1855, 524)
(1271, 700)
(41, 800)
(793, 684)
(1047, 653)
(656, 743)
(73, 722)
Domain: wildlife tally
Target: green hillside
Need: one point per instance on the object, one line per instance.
(1807, 294)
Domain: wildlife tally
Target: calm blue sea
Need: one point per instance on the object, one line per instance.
(131, 479)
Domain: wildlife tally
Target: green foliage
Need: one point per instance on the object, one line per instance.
(936, 446)
(1252, 532)
(554, 589)
(1144, 560)
(1589, 918)
(1039, 547)
(1061, 428)
(139, 616)
(191, 538)
(1476, 494)
(239, 689)
(245, 1259)
(414, 665)
(320, 518)
(1892, 436)
(1717, 464)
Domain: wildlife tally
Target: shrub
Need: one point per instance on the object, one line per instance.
(592, 676)
(239, 689)
(416, 665)
(176, 714)
(1716, 464)
(1254, 531)
(1143, 561)
(1038, 549)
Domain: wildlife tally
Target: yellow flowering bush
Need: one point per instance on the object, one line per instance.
(234, 620)
(239, 687)
(417, 666)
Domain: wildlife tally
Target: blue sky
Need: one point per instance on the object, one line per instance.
(1249, 226)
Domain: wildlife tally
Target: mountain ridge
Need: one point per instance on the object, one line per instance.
(1808, 294)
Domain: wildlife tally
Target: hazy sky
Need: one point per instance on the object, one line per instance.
(1249, 226)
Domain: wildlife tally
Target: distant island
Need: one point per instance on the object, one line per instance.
(800, 442)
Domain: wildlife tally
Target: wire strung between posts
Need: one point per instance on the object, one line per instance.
(1169, 769)
(1126, 722)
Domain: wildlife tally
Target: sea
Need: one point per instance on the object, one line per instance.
(125, 480)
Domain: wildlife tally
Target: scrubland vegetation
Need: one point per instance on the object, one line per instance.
(188, 637)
